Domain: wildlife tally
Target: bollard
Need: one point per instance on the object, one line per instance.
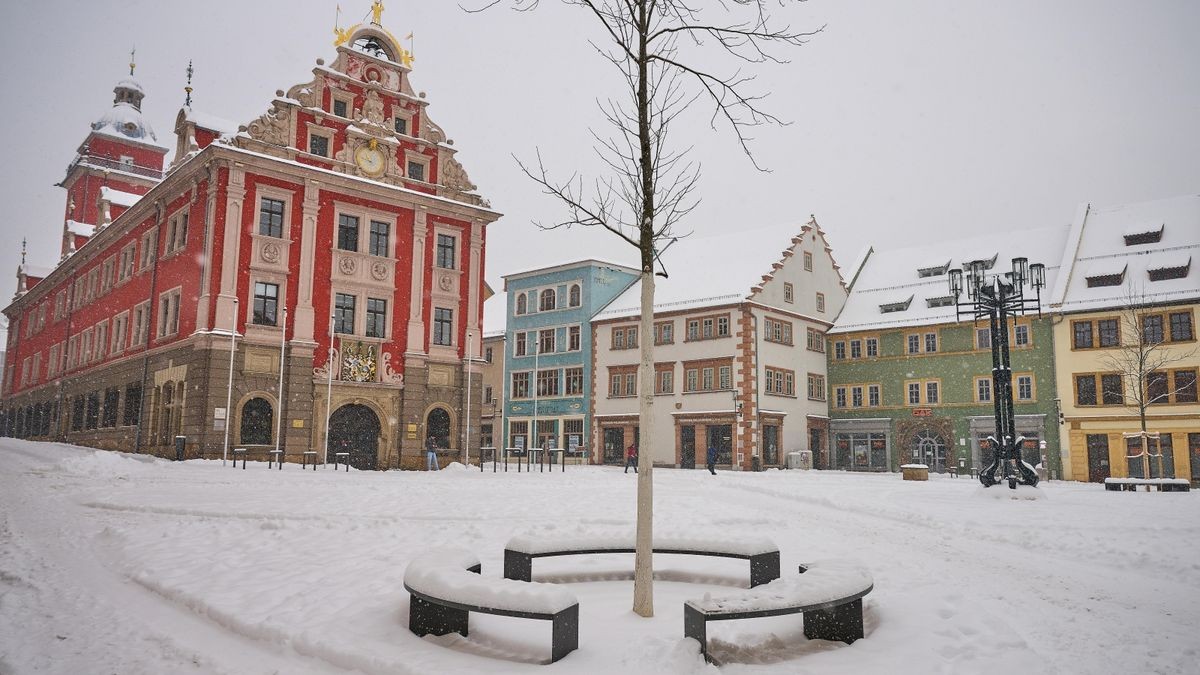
(180, 446)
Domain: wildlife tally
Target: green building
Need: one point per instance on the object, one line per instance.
(909, 383)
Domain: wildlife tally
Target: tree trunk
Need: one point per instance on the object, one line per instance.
(643, 574)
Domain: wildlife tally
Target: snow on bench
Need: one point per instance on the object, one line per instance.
(1162, 484)
(828, 593)
(762, 553)
(445, 586)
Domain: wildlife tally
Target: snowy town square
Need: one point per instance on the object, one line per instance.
(613, 337)
(114, 563)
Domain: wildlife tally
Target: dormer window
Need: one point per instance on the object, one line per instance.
(318, 145)
(888, 308)
(1144, 234)
(1175, 269)
(936, 271)
(402, 125)
(1098, 277)
(340, 108)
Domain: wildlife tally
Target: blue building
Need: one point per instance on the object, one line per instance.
(548, 360)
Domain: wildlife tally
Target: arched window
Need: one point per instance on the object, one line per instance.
(257, 422)
(929, 449)
(522, 304)
(438, 426)
(546, 302)
(575, 299)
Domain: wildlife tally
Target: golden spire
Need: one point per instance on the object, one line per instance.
(377, 13)
(188, 88)
(132, 60)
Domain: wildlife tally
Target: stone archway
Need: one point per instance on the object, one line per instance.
(437, 424)
(355, 428)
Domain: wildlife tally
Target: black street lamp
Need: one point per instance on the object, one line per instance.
(996, 298)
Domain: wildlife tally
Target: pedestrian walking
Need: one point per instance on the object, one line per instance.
(712, 459)
(631, 458)
(431, 461)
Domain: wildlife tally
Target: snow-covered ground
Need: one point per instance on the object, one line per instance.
(115, 563)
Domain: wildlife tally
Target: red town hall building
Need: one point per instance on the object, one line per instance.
(336, 234)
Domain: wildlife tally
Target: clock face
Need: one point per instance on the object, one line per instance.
(370, 161)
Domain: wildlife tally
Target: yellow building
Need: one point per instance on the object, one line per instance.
(1125, 340)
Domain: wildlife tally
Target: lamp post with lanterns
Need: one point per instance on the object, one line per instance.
(997, 297)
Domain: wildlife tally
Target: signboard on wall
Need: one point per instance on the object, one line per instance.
(922, 412)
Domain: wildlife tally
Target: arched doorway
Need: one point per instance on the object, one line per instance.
(257, 422)
(437, 424)
(354, 428)
(930, 449)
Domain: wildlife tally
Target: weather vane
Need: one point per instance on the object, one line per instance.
(188, 88)
(132, 60)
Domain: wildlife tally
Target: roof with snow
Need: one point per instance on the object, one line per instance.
(80, 229)
(890, 290)
(36, 271)
(707, 270)
(119, 198)
(204, 120)
(1150, 250)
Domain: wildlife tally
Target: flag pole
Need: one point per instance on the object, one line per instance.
(329, 389)
(282, 354)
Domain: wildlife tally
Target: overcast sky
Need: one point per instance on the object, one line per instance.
(908, 119)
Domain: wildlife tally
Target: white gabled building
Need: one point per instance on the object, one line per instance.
(739, 352)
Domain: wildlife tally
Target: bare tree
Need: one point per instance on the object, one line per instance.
(665, 52)
(1142, 361)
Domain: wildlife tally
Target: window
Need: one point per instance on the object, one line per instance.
(631, 384)
(1184, 386)
(821, 302)
(101, 344)
(1081, 335)
(343, 313)
(1181, 326)
(1156, 388)
(931, 392)
(618, 338)
(547, 382)
(691, 379)
(347, 232)
(520, 385)
(725, 377)
(270, 217)
(983, 389)
(914, 393)
(112, 399)
(856, 397)
(789, 293)
(839, 397)
(778, 331)
(520, 345)
(872, 347)
(446, 254)
(706, 328)
(873, 395)
(631, 337)
(124, 271)
(622, 381)
(93, 410)
(318, 144)
(133, 405)
(266, 300)
(106, 282)
(1152, 329)
(149, 245)
(378, 244)
(376, 317)
(693, 329)
(141, 324)
(574, 381)
(401, 125)
(1085, 389)
(723, 326)
(839, 350)
(1024, 387)
(664, 378)
(807, 261)
(664, 333)
(168, 317)
(1110, 332)
(177, 228)
(816, 340)
(574, 296)
(573, 339)
(487, 395)
(339, 109)
(416, 170)
(706, 379)
(487, 355)
(931, 342)
(983, 338)
(443, 326)
(816, 387)
(546, 341)
(914, 344)
(856, 349)
(1021, 335)
(522, 304)
(1112, 389)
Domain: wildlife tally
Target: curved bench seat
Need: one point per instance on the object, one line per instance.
(446, 585)
(762, 553)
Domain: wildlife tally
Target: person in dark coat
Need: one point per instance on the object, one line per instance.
(712, 459)
(631, 457)
(431, 461)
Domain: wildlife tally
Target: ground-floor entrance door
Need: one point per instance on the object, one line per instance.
(720, 436)
(1097, 452)
(687, 446)
(814, 444)
(931, 450)
(1194, 452)
(355, 429)
(614, 445)
(770, 447)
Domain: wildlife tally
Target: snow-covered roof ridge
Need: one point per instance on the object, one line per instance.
(888, 277)
(114, 196)
(1143, 248)
(210, 122)
(567, 264)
